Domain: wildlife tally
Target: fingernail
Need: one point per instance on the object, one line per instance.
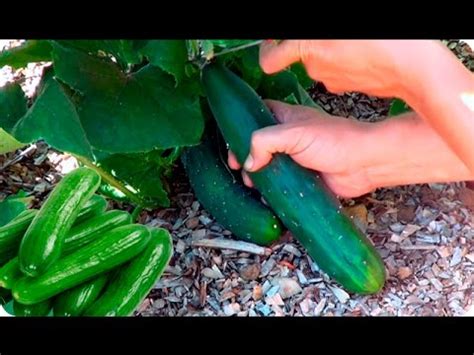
(248, 163)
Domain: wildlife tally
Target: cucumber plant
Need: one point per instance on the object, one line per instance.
(129, 109)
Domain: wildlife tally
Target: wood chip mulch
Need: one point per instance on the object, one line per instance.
(423, 232)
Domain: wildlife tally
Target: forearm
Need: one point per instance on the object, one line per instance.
(441, 90)
(406, 150)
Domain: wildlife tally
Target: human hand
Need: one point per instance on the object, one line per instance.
(375, 67)
(354, 157)
(315, 140)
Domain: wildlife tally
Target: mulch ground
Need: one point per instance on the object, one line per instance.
(423, 232)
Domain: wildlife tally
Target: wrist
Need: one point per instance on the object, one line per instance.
(406, 150)
(416, 69)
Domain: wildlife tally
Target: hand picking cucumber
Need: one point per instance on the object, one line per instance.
(298, 196)
(73, 302)
(94, 206)
(114, 248)
(40, 309)
(132, 283)
(226, 199)
(11, 234)
(43, 240)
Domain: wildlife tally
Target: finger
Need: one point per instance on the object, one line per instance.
(270, 140)
(275, 57)
(246, 178)
(286, 113)
(232, 161)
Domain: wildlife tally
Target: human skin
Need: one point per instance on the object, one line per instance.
(433, 144)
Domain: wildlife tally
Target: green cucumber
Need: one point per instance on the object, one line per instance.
(93, 228)
(226, 198)
(299, 197)
(77, 237)
(10, 273)
(73, 302)
(11, 234)
(5, 296)
(43, 240)
(114, 248)
(40, 309)
(94, 206)
(132, 283)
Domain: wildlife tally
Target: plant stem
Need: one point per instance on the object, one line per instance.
(108, 178)
(136, 213)
(238, 48)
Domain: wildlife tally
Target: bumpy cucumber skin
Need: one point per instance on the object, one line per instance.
(96, 205)
(41, 309)
(93, 228)
(132, 283)
(42, 243)
(115, 248)
(10, 273)
(298, 196)
(73, 302)
(226, 199)
(78, 236)
(11, 234)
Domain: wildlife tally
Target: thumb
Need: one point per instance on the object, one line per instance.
(270, 140)
(276, 57)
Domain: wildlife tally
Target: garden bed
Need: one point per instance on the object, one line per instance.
(424, 233)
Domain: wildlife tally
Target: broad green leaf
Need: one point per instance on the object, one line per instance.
(8, 143)
(12, 108)
(13, 105)
(250, 67)
(398, 107)
(28, 52)
(140, 174)
(53, 118)
(299, 70)
(125, 51)
(12, 206)
(169, 55)
(131, 113)
(283, 86)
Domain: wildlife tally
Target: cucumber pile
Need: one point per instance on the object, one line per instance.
(72, 257)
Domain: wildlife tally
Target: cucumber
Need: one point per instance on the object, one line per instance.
(299, 197)
(94, 206)
(132, 283)
(114, 248)
(10, 273)
(35, 310)
(74, 301)
(43, 240)
(11, 234)
(5, 296)
(226, 198)
(77, 237)
(93, 228)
